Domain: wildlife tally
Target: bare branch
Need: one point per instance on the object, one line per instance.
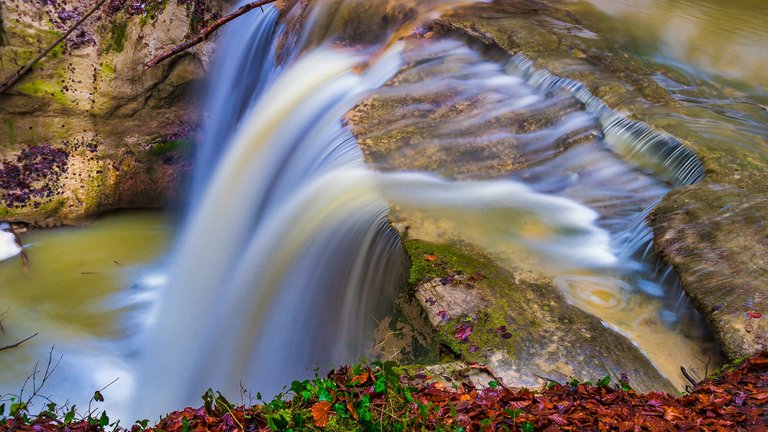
(11, 80)
(7, 347)
(23, 253)
(206, 33)
(688, 376)
(50, 368)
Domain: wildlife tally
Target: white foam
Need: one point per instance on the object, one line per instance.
(8, 246)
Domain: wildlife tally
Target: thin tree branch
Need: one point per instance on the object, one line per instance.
(23, 253)
(688, 376)
(7, 347)
(11, 80)
(206, 33)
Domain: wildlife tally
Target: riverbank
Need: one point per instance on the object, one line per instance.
(385, 397)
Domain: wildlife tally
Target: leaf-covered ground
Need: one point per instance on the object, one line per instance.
(383, 397)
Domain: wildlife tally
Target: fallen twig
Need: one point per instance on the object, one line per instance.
(206, 33)
(688, 377)
(23, 253)
(11, 80)
(7, 347)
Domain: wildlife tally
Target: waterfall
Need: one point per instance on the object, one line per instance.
(286, 258)
(8, 246)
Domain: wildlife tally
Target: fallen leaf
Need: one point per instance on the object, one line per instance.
(320, 412)
(463, 332)
(430, 258)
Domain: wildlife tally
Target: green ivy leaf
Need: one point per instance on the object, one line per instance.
(380, 386)
(604, 381)
(104, 419)
(324, 395)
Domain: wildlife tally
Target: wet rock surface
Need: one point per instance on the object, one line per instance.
(717, 238)
(92, 99)
(712, 233)
(517, 324)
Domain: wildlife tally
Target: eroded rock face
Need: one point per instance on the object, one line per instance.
(91, 99)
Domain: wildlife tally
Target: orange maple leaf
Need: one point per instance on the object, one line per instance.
(361, 378)
(320, 412)
(430, 258)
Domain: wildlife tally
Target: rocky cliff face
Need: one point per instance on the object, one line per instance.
(89, 129)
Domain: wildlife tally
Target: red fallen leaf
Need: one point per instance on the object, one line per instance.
(463, 332)
(671, 414)
(754, 314)
(443, 315)
(430, 257)
(558, 419)
(320, 412)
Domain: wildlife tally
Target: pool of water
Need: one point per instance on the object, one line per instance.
(726, 39)
(77, 296)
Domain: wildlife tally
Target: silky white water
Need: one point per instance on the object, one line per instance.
(8, 246)
(286, 259)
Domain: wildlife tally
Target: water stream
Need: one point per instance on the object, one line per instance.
(302, 254)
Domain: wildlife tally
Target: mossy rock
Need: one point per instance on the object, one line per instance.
(522, 328)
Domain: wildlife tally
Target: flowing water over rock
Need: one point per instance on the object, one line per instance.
(301, 252)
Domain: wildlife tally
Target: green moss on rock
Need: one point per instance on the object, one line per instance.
(117, 37)
(41, 87)
(518, 324)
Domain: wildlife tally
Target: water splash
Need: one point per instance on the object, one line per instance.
(8, 246)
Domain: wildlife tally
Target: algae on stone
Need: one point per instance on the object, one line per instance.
(522, 328)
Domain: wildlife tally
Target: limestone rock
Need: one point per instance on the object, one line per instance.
(93, 91)
(520, 326)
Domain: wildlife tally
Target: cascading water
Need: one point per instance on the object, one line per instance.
(8, 246)
(272, 240)
(287, 257)
(478, 118)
